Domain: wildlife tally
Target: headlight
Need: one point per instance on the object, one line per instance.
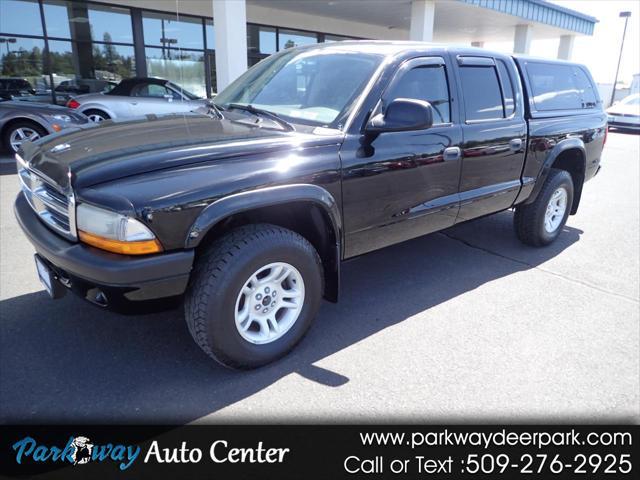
(114, 232)
(58, 120)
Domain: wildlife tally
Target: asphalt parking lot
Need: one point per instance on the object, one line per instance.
(464, 325)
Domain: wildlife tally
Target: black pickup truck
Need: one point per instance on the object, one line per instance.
(313, 156)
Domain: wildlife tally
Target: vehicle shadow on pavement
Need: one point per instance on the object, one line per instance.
(69, 362)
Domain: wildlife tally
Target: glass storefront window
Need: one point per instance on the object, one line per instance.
(113, 62)
(210, 33)
(20, 17)
(56, 17)
(294, 38)
(92, 45)
(107, 62)
(335, 38)
(184, 68)
(171, 31)
(103, 66)
(109, 24)
(23, 58)
(213, 79)
(61, 61)
(261, 40)
(85, 21)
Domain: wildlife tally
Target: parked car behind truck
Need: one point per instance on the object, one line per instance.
(27, 121)
(625, 114)
(134, 97)
(317, 154)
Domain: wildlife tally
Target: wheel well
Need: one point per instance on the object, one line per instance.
(305, 218)
(13, 121)
(97, 110)
(573, 161)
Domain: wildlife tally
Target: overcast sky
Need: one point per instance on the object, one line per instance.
(600, 51)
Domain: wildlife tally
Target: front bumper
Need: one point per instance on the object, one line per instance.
(107, 279)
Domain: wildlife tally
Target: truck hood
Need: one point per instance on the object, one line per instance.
(103, 152)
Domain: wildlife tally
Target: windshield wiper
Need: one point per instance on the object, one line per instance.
(266, 113)
(213, 108)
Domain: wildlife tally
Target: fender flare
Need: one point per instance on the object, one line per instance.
(263, 197)
(562, 146)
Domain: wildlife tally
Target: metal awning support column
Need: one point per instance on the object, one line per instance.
(522, 39)
(230, 19)
(565, 47)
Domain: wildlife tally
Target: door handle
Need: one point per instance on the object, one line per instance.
(515, 144)
(452, 153)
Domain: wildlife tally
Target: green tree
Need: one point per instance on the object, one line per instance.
(110, 53)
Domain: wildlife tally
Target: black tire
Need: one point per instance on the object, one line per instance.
(220, 274)
(97, 113)
(6, 136)
(529, 219)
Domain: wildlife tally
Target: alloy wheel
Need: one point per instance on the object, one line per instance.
(269, 303)
(20, 135)
(556, 209)
(95, 117)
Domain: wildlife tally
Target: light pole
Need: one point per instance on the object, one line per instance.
(626, 16)
(7, 41)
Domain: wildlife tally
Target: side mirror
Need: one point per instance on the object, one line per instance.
(402, 115)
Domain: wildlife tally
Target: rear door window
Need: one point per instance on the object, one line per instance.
(560, 87)
(507, 88)
(481, 89)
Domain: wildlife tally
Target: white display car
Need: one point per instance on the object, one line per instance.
(625, 114)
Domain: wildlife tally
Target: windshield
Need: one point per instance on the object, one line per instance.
(313, 87)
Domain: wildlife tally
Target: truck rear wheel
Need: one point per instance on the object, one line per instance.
(254, 295)
(539, 223)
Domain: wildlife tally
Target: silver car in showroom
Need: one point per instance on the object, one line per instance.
(134, 97)
(21, 121)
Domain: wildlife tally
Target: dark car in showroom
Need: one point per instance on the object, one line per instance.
(11, 88)
(21, 121)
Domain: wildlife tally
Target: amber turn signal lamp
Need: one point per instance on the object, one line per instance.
(143, 247)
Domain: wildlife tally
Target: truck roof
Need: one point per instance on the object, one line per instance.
(393, 47)
(396, 47)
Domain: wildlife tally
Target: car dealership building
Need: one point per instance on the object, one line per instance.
(203, 45)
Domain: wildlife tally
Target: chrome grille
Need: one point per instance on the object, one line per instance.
(55, 207)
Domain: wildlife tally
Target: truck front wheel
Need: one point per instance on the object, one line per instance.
(253, 295)
(539, 223)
